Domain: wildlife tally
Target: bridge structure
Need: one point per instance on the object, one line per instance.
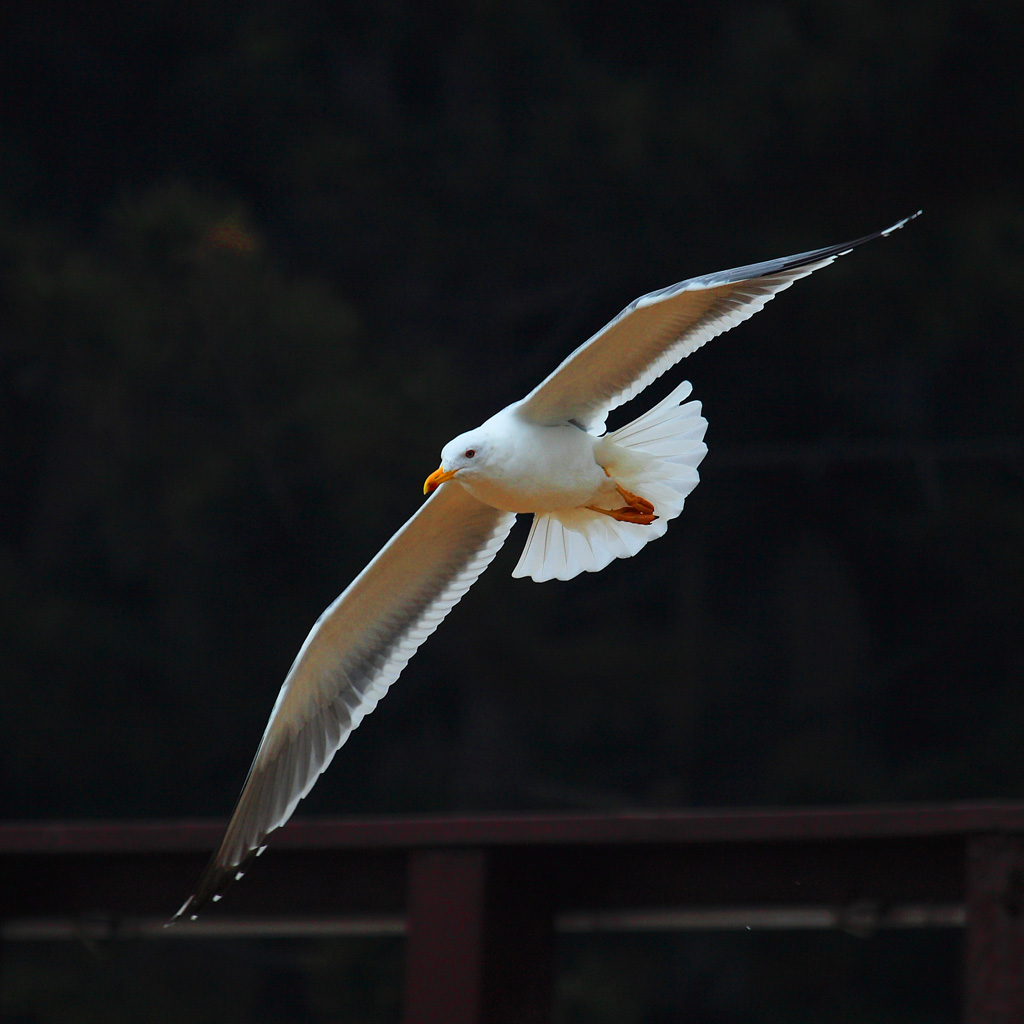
(480, 899)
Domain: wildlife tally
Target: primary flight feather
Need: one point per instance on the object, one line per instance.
(594, 497)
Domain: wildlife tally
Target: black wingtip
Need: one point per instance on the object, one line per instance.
(804, 258)
(213, 884)
(906, 220)
(783, 265)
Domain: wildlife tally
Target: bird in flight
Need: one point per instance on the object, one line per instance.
(594, 497)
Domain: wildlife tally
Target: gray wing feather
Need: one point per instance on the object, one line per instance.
(656, 330)
(352, 655)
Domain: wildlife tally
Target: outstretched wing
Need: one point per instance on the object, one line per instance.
(353, 654)
(657, 330)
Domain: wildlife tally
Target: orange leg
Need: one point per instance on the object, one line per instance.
(636, 510)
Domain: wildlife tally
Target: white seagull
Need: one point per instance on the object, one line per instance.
(594, 497)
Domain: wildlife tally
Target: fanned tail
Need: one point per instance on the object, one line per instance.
(655, 456)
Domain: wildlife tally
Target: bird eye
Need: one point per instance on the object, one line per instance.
(470, 452)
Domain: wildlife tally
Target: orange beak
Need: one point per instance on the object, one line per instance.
(438, 477)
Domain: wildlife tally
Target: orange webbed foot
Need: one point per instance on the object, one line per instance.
(636, 510)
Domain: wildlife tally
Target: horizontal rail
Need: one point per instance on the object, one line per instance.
(733, 825)
(857, 919)
(479, 899)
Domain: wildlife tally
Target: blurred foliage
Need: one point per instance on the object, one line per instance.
(183, 410)
(256, 266)
(273, 258)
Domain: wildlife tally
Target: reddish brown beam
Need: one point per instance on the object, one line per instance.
(444, 937)
(696, 858)
(994, 961)
(546, 829)
(480, 894)
(479, 944)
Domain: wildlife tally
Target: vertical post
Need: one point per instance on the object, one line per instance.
(994, 968)
(444, 937)
(479, 944)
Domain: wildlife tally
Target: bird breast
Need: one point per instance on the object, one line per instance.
(533, 468)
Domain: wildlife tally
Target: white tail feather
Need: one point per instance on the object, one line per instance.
(663, 449)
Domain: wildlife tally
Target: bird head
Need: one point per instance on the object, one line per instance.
(465, 455)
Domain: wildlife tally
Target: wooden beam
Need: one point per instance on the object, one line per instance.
(994, 955)
(479, 944)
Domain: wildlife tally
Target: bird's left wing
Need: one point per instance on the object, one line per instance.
(657, 330)
(353, 654)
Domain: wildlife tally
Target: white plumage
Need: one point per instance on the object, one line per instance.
(594, 497)
(655, 456)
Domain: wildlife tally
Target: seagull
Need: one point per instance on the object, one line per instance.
(594, 497)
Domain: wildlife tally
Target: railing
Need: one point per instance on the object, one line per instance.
(479, 899)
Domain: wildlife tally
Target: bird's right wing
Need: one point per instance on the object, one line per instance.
(656, 330)
(353, 654)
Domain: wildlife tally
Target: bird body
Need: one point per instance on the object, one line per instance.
(521, 466)
(594, 497)
(575, 482)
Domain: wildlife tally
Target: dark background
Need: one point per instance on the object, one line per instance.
(260, 262)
